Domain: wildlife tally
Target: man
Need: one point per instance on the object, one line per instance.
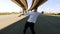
(33, 15)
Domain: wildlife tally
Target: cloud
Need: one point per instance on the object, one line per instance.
(47, 8)
(6, 6)
(57, 5)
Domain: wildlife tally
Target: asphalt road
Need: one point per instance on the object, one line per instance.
(44, 25)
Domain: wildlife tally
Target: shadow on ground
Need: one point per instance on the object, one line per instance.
(44, 25)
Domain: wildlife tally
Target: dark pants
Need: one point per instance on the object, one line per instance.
(31, 25)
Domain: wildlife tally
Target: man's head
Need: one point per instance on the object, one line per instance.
(35, 9)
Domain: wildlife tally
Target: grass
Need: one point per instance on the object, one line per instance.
(8, 13)
(52, 14)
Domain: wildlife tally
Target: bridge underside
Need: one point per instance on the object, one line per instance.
(21, 3)
(37, 3)
(24, 4)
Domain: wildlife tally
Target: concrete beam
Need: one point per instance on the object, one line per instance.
(37, 3)
(21, 3)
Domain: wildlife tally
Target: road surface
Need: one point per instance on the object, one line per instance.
(6, 20)
(45, 25)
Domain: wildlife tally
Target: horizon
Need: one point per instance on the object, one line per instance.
(51, 6)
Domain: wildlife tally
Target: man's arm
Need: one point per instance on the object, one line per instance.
(27, 14)
(20, 15)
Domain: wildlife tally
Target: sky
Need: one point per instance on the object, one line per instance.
(51, 6)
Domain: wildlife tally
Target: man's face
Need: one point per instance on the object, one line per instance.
(35, 10)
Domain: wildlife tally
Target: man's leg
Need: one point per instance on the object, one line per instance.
(25, 28)
(32, 28)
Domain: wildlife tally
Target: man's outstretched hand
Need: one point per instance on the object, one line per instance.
(20, 15)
